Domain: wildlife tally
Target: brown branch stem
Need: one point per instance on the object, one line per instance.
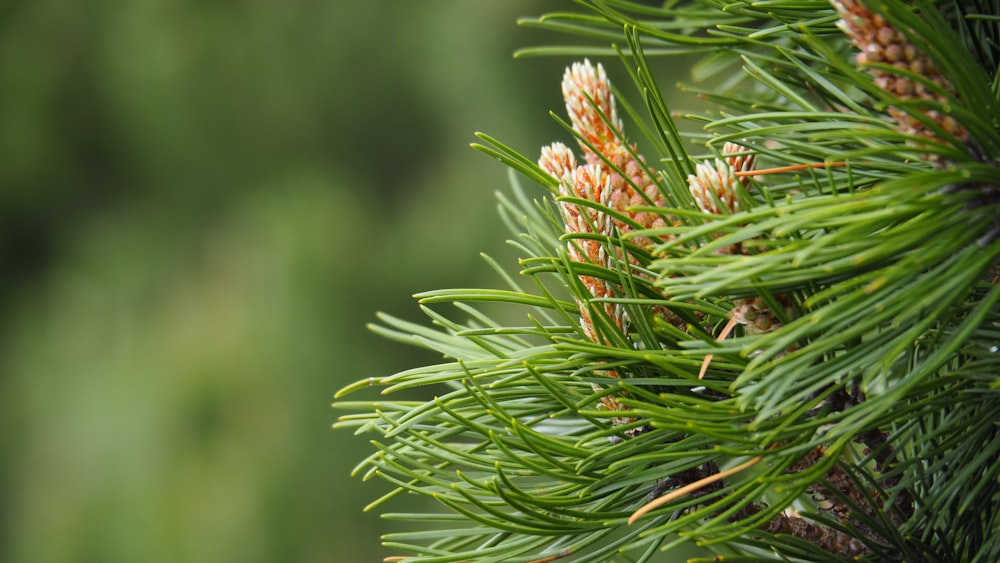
(677, 493)
(793, 168)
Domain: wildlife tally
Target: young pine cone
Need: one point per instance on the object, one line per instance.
(881, 43)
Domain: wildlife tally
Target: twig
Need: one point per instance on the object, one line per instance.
(722, 336)
(793, 168)
(691, 488)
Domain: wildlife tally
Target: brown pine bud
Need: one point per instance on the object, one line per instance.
(714, 188)
(740, 160)
(558, 160)
(591, 105)
(880, 42)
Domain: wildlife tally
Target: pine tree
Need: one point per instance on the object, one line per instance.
(778, 337)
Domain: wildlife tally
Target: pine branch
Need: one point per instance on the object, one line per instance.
(783, 346)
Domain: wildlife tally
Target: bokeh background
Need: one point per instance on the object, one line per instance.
(201, 206)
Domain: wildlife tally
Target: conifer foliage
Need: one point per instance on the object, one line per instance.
(777, 338)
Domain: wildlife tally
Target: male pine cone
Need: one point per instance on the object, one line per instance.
(882, 44)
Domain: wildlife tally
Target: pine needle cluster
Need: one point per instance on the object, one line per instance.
(777, 338)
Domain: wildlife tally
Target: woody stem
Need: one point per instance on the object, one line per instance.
(793, 168)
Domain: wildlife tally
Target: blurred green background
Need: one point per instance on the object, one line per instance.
(202, 204)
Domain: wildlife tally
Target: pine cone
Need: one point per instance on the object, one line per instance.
(880, 42)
